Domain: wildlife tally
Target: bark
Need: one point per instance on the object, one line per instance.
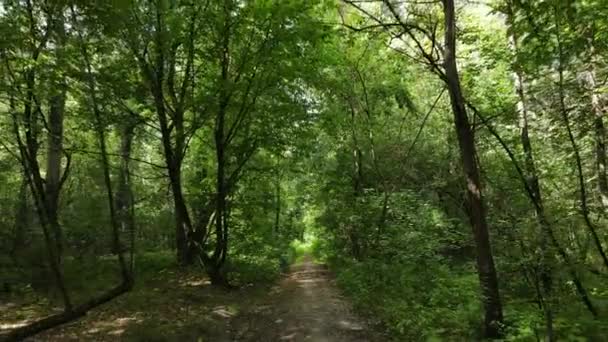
(485, 262)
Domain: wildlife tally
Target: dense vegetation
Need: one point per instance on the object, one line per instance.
(447, 159)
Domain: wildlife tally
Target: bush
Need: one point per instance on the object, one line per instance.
(415, 302)
(411, 277)
(246, 269)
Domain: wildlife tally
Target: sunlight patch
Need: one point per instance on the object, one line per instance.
(5, 326)
(350, 325)
(195, 282)
(114, 327)
(224, 311)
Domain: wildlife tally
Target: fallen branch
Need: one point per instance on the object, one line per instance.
(53, 321)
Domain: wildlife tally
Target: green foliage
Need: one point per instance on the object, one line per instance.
(412, 293)
(338, 142)
(412, 305)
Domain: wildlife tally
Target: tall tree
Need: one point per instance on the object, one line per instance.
(466, 141)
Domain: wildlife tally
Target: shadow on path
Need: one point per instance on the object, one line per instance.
(304, 306)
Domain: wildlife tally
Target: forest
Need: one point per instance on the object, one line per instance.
(303, 170)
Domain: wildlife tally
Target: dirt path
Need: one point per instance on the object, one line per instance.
(304, 306)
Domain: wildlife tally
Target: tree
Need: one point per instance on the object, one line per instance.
(449, 74)
(485, 262)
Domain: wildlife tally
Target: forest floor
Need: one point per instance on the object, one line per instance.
(303, 305)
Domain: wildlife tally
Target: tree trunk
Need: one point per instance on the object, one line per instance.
(100, 127)
(55, 140)
(357, 178)
(600, 130)
(485, 262)
(220, 209)
(542, 220)
(577, 155)
(53, 169)
(221, 192)
(220, 197)
(533, 183)
(182, 217)
(124, 194)
(30, 164)
(155, 75)
(28, 149)
(600, 152)
(22, 221)
(534, 186)
(277, 208)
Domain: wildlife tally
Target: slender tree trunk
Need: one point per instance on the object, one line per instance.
(221, 194)
(31, 166)
(28, 149)
(577, 156)
(534, 186)
(53, 170)
(353, 234)
(485, 262)
(173, 155)
(124, 194)
(100, 127)
(600, 151)
(22, 221)
(600, 130)
(55, 140)
(533, 183)
(220, 205)
(214, 267)
(277, 208)
(182, 217)
(543, 222)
